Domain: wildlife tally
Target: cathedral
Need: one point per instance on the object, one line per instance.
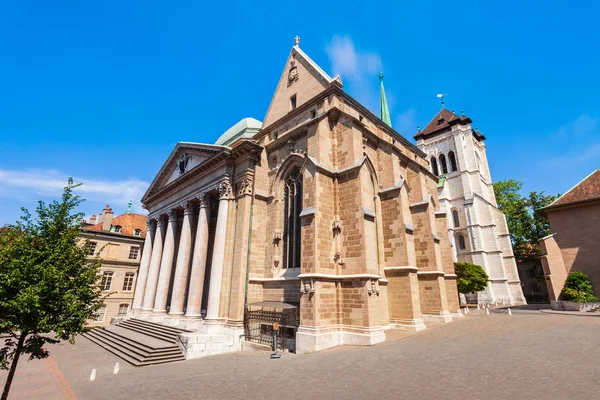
(477, 229)
(320, 226)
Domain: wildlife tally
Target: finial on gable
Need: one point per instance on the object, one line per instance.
(297, 41)
(463, 113)
(129, 204)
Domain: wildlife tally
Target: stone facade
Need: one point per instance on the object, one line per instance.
(326, 208)
(574, 219)
(119, 243)
(477, 229)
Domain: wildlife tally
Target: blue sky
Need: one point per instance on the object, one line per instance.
(102, 91)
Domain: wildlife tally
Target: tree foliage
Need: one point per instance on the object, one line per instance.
(526, 226)
(48, 286)
(471, 278)
(578, 288)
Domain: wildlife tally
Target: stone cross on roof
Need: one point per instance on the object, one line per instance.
(297, 41)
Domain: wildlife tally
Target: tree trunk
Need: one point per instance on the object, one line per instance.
(13, 366)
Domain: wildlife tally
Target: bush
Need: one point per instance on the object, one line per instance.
(470, 278)
(578, 288)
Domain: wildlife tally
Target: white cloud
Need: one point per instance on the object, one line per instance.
(48, 182)
(348, 62)
(582, 125)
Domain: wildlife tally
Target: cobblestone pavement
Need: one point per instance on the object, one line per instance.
(529, 355)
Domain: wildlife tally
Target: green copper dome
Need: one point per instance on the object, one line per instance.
(245, 129)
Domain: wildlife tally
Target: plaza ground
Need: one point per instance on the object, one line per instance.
(528, 355)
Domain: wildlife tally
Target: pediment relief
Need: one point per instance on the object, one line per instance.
(185, 158)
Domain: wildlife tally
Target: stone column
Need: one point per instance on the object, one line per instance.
(183, 262)
(155, 259)
(198, 263)
(166, 266)
(216, 273)
(140, 285)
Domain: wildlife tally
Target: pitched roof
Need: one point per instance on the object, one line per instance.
(443, 121)
(127, 222)
(586, 190)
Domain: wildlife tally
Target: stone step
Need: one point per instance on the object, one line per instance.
(132, 350)
(141, 349)
(168, 337)
(164, 328)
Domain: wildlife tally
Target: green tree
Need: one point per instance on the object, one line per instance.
(525, 226)
(578, 288)
(470, 278)
(48, 287)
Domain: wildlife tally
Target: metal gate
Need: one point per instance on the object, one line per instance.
(260, 318)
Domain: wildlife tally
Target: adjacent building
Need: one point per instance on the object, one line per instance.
(322, 210)
(118, 241)
(573, 246)
(477, 229)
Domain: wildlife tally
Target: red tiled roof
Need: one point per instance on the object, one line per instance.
(586, 190)
(127, 222)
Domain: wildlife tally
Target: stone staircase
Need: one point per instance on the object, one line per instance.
(139, 342)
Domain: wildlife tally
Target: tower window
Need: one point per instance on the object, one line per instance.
(434, 167)
(293, 102)
(291, 224)
(452, 158)
(461, 242)
(455, 218)
(443, 164)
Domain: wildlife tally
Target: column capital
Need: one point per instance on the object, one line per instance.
(204, 202)
(224, 190)
(149, 225)
(188, 207)
(172, 215)
(159, 221)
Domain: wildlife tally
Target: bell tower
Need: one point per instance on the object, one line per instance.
(477, 229)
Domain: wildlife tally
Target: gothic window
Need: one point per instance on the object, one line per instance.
(292, 198)
(455, 218)
(461, 242)
(452, 158)
(443, 164)
(434, 167)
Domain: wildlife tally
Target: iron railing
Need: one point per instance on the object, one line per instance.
(260, 319)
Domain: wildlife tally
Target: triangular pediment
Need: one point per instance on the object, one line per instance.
(301, 77)
(184, 158)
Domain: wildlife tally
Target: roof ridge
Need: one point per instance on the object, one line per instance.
(572, 188)
(313, 64)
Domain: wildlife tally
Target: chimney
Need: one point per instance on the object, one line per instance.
(93, 219)
(106, 217)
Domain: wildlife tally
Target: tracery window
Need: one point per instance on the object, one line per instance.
(434, 167)
(292, 198)
(453, 165)
(443, 164)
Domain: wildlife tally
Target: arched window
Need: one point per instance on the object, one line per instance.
(461, 242)
(292, 198)
(452, 158)
(443, 164)
(434, 167)
(455, 218)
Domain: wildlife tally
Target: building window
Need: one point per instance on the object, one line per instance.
(91, 248)
(137, 232)
(123, 310)
(455, 218)
(434, 167)
(128, 282)
(293, 102)
(106, 280)
(443, 164)
(292, 228)
(452, 158)
(115, 228)
(133, 253)
(461, 242)
(100, 313)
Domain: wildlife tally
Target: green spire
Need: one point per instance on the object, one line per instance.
(385, 111)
